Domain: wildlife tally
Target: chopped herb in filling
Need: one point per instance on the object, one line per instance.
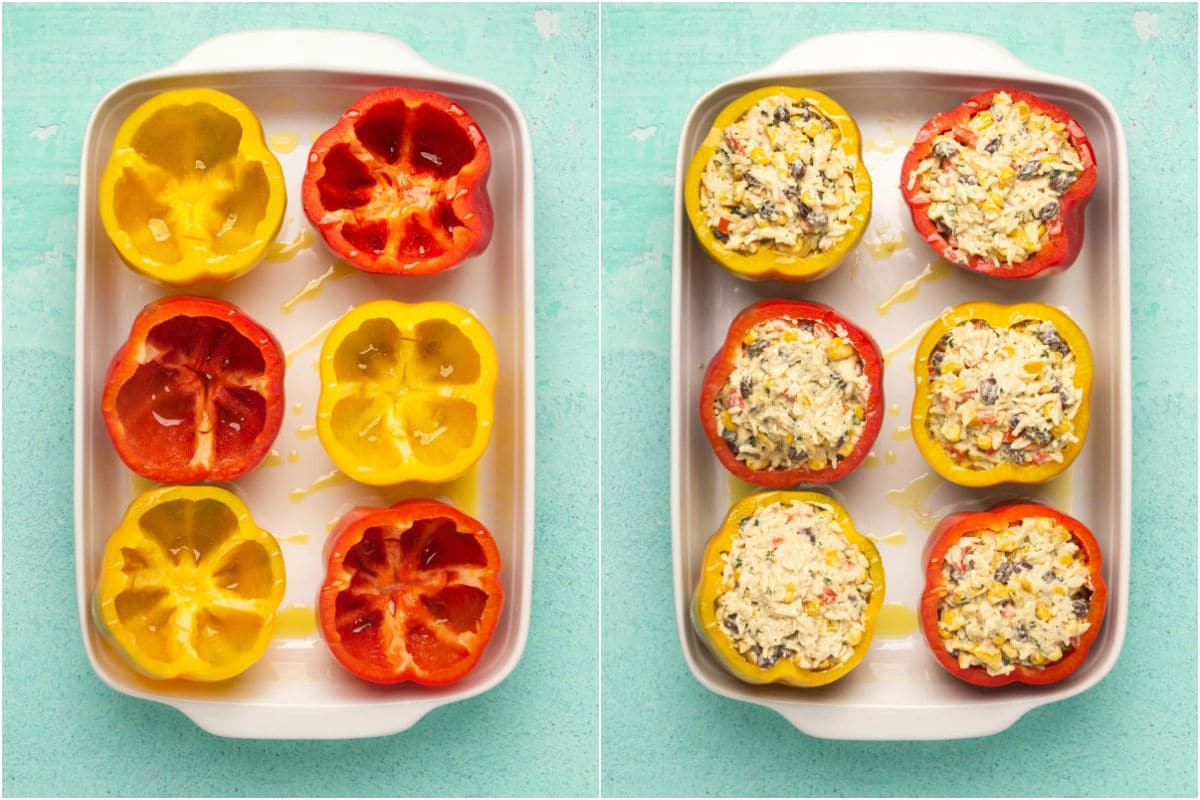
(1016, 596)
(780, 178)
(795, 398)
(1003, 395)
(794, 588)
(994, 186)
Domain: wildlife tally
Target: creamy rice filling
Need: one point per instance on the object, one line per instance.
(1003, 395)
(995, 184)
(795, 588)
(1017, 596)
(796, 397)
(780, 178)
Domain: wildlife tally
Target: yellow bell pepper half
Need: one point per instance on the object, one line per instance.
(407, 392)
(768, 261)
(189, 585)
(960, 470)
(712, 586)
(191, 191)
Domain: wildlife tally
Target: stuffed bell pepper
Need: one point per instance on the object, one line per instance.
(777, 188)
(794, 395)
(789, 591)
(1002, 393)
(999, 184)
(191, 191)
(1012, 595)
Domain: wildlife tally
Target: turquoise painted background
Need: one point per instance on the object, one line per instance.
(662, 732)
(538, 732)
(67, 734)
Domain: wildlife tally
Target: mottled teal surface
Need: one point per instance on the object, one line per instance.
(663, 733)
(536, 734)
(65, 733)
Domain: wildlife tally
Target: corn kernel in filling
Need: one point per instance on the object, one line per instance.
(796, 397)
(1003, 395)
(782, 178)
(994, 184)
(794, 588)
(1018, 596)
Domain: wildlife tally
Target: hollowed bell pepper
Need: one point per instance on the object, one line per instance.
(719, 394)
(195, 392)
(1063, 236)
(407, 392)
(931, 366)
(399, 184)
(189, 585)
(946, 596)
(789, 201)
(411, 593)
(717, 637)
(191, 191)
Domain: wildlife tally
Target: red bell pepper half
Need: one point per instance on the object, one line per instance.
(956, 526)
(411, 593)
(195, 392)
(399, 184)
(721, 366)
(1065, 231)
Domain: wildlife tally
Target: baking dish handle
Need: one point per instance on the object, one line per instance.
(299, 721)
(902, 723)
(300, 49)
(870, 51)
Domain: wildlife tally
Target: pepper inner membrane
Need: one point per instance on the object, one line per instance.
(191, 570)
(407, 157)
(186, 190)
(399, 409)
(409, 594)
(200, 382)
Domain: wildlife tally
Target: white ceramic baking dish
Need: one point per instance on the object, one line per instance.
(299, 82)
(892, 82)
